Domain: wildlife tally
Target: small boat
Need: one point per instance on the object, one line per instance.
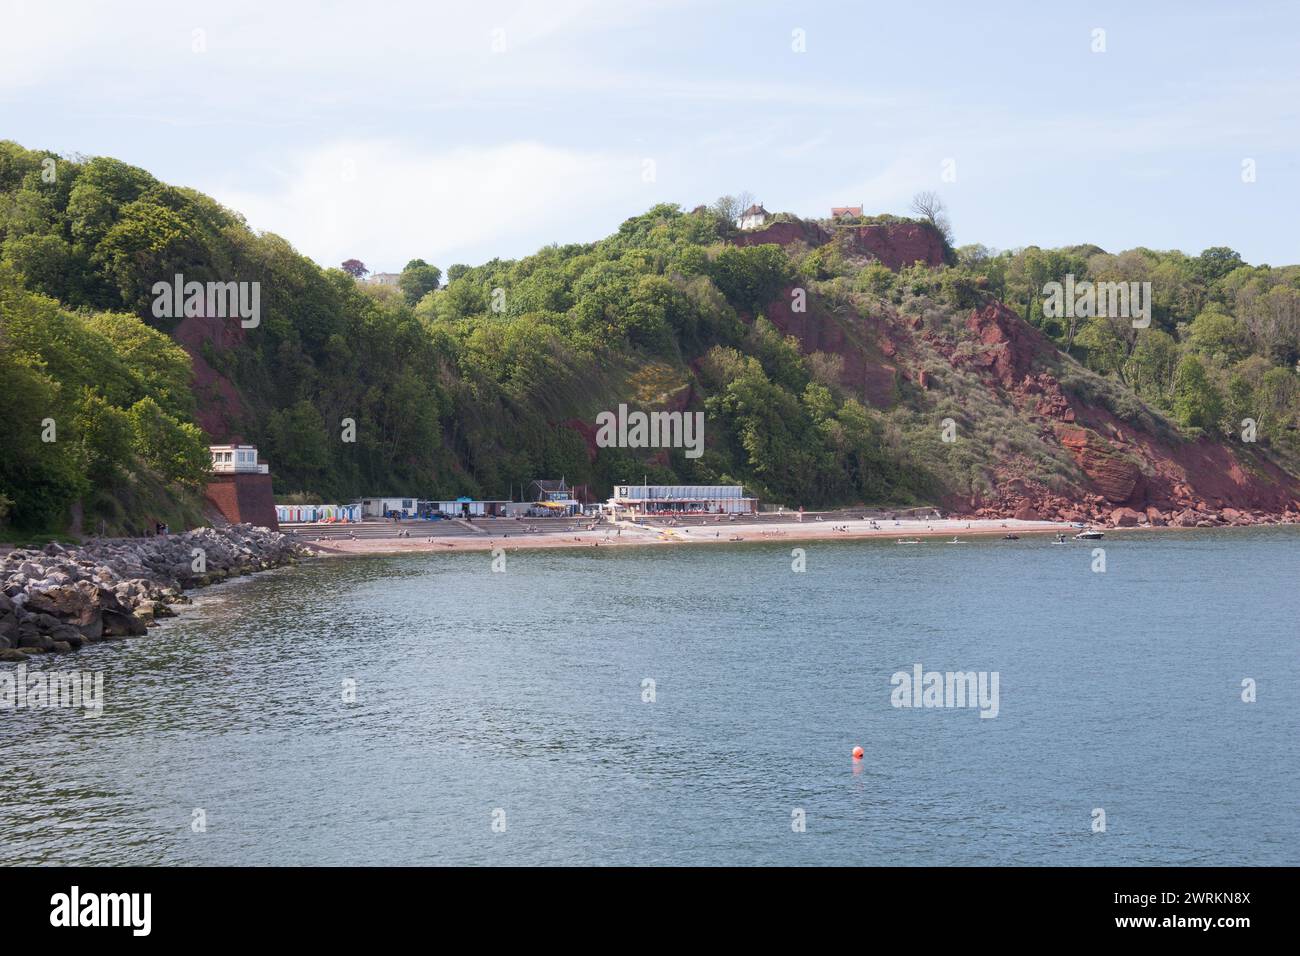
(912, 541)
(1092, 534)
(1011, 537)
(956, 541)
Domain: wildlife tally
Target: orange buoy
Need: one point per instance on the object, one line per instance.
(857, 753)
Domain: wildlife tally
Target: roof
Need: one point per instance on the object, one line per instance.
(846, 211)
(755, 210)
(550, 484)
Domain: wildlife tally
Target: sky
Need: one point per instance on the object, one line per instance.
(461, 132)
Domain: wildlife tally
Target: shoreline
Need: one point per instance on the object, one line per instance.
(704, 534)
(58, 599)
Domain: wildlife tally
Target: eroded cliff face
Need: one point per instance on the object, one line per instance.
(1129, 474)
(219, 406)
(869, 352)
(784, 234)
(898, 244)
(895, 245)
(1125, 474)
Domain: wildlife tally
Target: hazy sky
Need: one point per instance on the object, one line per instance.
(389, 131)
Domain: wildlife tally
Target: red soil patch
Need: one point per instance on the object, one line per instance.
(220, 405)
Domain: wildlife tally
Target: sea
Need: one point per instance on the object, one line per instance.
(1134, 701)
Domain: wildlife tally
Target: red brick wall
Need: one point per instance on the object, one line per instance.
(243, 497)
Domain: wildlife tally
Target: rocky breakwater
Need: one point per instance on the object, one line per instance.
(59, 599)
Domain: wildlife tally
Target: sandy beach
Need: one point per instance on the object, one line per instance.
(690, 532)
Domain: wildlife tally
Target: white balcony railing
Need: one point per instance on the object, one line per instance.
(240, 467)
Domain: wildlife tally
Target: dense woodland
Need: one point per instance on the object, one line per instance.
(470, 387)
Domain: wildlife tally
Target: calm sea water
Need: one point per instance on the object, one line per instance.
(518, 696)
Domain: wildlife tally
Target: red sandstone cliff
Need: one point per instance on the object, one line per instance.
(1126, 475)
(896, 245)
(1129, 474)
(220, 407)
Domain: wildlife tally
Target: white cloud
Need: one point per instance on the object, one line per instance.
(386, 203)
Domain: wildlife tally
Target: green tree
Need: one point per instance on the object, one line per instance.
(105, 435)
(751, 276)
(1197, 403)
(175, 449)
(1213, 333)
(418, 279)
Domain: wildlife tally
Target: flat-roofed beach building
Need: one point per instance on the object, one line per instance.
(682, 499)
(466, 507)
(387, 507)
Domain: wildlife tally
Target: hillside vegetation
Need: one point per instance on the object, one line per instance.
(824, 375)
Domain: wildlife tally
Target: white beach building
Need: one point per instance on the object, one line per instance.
(681, 499)
(383, 507)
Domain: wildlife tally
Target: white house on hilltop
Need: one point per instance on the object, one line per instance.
(754, 217)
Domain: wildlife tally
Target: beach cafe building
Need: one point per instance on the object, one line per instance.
(552, 496)
(682, 499)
